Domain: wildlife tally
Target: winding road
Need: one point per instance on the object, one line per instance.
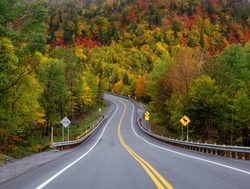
(121, 156)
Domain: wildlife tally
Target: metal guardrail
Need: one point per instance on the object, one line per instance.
(71, 144)
(239, 152)
(222, 150)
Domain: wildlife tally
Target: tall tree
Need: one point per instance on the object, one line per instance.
(55, 98)
(203, 102)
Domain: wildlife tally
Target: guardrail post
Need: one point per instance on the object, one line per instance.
(222, 153)
(233, 154)
(226, 154)
(218, 152)
(239, 155)
(247, 156)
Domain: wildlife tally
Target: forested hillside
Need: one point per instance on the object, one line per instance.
(178, 56)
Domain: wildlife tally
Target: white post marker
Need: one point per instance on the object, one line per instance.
(65, 122)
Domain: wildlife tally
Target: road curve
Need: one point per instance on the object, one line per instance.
(121, 156)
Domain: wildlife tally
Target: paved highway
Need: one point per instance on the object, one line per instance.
(120, 156)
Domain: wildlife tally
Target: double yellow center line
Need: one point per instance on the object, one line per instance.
(156, 177)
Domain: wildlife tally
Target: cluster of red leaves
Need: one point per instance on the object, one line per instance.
(168, 22)
(189, 21)
(59, 42)
(246, 35)
(144, 4)
(88, 43)
(132, 16)
(9, 142)
(215, 4)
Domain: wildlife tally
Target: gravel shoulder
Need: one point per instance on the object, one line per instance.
(17, 167)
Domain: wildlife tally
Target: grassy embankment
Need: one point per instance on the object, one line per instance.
(77, 129)
(2, 157)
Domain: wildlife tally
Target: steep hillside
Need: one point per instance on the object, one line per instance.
(179, 57)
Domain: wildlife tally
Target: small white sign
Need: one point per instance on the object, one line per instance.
(65, 122)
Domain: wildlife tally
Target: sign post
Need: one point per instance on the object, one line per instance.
(185, 121)
(68, 133)
(62, 134)
(65, 122)
(181, 132)
(52, 130)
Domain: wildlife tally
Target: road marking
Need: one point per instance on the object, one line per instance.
(153, 174)
(179, 153)
(78, 159)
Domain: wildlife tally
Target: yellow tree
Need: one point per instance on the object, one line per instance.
(140, 90)
(185, 70)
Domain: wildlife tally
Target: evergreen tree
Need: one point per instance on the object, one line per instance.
(126, 79)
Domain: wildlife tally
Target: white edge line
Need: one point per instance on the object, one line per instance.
(192, 157)
(78, 159)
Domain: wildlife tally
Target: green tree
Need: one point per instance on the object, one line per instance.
(220, 71)
(241, 105)
(236, 58)
(175, 107)
(202, 106)
(115, 79)
(68, 32)
(173, 5)
(126, 79)
(202, 42)
(102, 29)
(73, 71)
(19, 94)
(55, 98)
(8, 63)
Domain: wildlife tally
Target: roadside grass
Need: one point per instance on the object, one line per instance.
(2, 158)
(157, 126)
(39, 143)
(79, 129)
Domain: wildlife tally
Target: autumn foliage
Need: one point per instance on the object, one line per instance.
(178, 56)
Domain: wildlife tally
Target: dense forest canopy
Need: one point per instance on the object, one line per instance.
(179, 56)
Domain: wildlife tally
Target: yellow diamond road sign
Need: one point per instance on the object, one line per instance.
(185, 120)
(146, 115)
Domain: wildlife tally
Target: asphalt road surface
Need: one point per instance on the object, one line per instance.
(121, 156)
